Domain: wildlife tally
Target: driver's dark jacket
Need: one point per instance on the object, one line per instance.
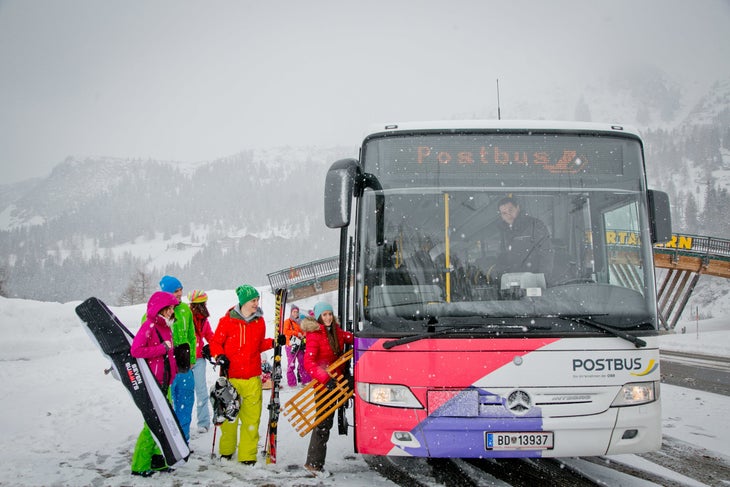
(525, 247)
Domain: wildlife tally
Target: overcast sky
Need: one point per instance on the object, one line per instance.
(197, 80)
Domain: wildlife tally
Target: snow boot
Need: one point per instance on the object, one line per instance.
(225, 401)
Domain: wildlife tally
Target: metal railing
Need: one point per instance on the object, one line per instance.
(696, 245)
(305, 274)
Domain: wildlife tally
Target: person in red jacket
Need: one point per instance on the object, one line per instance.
(237, 344)
(325, 343)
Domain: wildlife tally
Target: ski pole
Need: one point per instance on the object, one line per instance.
(212, 448)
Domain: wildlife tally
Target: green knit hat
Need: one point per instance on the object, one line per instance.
(246, 293)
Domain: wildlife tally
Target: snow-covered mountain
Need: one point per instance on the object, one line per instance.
(640, 95)
(218, 223)
(713, 109)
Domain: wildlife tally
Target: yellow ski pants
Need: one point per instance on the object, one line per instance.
(248, 419)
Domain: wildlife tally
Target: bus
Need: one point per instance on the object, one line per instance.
(469, 345)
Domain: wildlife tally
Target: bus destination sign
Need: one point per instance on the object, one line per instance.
(568, 163)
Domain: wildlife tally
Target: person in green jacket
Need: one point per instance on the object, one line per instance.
(184, 340)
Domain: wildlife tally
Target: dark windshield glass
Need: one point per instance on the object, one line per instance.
(485, 253)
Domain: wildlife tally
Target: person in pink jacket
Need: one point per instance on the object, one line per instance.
(203, 333)
(153, 342)
(325, 343)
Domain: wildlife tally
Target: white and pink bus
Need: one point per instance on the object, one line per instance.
(501, 289)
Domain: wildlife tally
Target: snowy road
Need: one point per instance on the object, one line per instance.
(711, 374)
(65, 422)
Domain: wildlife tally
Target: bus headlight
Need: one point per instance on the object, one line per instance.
(388, 395)
(635, 393)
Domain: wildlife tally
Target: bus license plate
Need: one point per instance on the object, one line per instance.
(519, 440)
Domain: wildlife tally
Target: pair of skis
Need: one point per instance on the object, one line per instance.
(276, 375)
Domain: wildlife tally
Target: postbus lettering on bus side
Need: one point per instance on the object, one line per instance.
(597, 365)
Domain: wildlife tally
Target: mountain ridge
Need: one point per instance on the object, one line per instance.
(261, 209)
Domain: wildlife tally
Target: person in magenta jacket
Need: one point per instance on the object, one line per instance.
(153, 342)
(325, 343)
(237, 344)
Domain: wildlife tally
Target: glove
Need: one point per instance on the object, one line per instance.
(223, 361)
(279, 340)
(331, 385)
(206, 351)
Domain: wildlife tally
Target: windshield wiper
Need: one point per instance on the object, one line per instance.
(584, 320)
(458, 329)
(413, 338)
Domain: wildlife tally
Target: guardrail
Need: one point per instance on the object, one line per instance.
(306, 274)
(697, 245)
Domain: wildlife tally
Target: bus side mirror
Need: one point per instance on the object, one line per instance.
(338, 192)
(660, 217)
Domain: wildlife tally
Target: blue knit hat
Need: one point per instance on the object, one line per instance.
(321, 307)
(246, 293)
(170, 284)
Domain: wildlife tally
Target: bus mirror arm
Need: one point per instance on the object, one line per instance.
(370, 181)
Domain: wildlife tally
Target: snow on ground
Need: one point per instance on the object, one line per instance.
(65, 422)
(708, 337)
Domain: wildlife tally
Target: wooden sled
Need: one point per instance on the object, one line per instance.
(315, 403)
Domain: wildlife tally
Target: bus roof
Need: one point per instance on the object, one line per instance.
(508, 125)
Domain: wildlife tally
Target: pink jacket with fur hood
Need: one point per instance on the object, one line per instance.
(318, 354)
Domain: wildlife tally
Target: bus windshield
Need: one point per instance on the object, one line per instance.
(486, 242)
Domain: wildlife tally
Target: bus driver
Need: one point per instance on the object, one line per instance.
(525, 245)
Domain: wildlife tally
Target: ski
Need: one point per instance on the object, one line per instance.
(276, 374)
(115, 340)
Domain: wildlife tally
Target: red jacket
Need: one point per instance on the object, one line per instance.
(242, 342)
(202, 331)
(319, 355)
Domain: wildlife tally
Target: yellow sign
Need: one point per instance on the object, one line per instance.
(624, 237)
(678, 242)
